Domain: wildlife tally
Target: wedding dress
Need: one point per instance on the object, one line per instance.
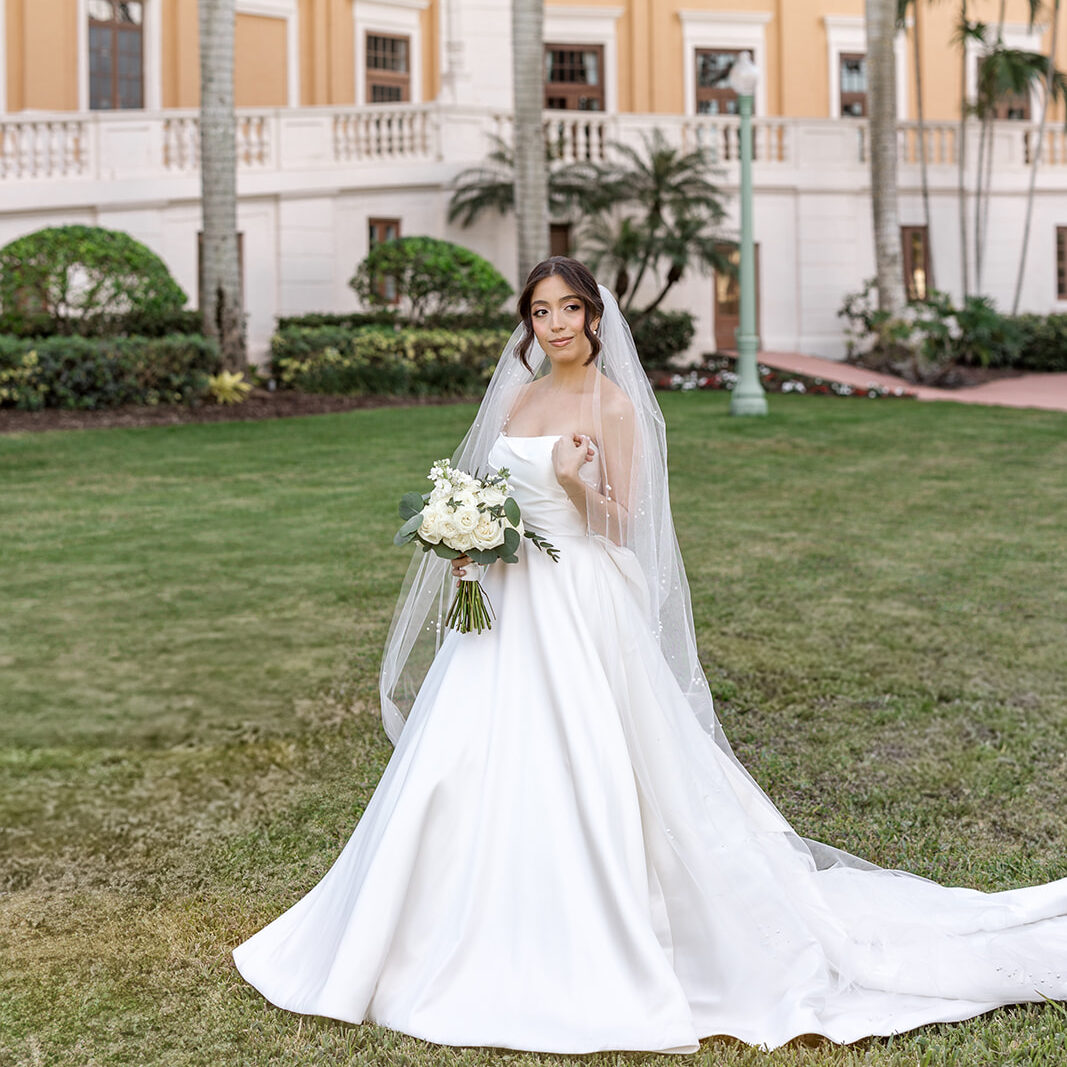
(558, 858)
(562, 857)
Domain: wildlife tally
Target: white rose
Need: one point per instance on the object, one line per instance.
(466, 518)
(462, 542)
(489, 533)
(433, 520)
(492, 496)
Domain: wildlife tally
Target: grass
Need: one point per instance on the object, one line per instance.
(191, 623)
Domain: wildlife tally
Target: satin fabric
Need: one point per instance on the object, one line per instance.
(558, 858)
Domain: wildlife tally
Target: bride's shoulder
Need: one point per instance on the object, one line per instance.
(614, 402)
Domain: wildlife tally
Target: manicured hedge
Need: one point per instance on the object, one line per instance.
(1044, 343)
(131, 324)
(388, 319)
(82, 372)
(368, 360)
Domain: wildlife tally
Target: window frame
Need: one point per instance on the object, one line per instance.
(846, 98)
(1060, 247)
(378, 224)
(117, 30)
(575, 90)
(908, 265)
(722, 91)
(382, 77)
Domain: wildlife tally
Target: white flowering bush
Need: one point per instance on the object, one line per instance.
(464, 515)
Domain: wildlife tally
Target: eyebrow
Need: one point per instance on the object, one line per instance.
(569, 296)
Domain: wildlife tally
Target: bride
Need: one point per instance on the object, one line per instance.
(563, 854)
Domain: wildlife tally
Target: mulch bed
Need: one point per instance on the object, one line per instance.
(260, 404)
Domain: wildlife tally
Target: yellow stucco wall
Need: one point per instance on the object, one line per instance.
(43, 63)
(260, 62)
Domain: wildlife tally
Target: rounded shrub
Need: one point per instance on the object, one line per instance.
(659, 336)
(433, 280)
(83, 280)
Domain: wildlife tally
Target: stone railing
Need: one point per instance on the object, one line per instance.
(305, 146)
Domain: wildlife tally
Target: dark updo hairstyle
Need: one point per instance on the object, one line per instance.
(581, 282)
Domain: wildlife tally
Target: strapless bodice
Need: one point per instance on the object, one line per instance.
(546, 508)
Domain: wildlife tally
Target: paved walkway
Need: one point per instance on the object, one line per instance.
(1047, 391)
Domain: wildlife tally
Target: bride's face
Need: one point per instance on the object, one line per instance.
(558, 319)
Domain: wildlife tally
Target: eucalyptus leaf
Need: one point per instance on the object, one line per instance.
(482, 556)
(511, 541)
(411, 525)
(445, 552)
(511, 509)
(410, 504)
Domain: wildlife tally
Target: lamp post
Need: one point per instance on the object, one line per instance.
(748, 397)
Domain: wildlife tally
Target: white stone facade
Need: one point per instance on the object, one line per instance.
(311, 178)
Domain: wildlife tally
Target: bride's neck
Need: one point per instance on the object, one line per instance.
(571, 378)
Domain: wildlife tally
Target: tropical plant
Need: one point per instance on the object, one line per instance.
(490, 186)
(220, 280)
(661, 217)
(84, 280)
(531, 180)
(433, 279)
(881, 66)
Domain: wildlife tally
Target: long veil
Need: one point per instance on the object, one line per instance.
(644, 543)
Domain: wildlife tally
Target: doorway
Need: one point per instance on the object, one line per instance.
(727, 292)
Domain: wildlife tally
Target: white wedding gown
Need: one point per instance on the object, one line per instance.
(558, 857)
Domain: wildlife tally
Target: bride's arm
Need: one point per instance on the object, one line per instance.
(605, 512)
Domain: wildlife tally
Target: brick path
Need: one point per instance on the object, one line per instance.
(1047, 391)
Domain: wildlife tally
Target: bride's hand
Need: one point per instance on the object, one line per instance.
(459, 564)
(569, 454)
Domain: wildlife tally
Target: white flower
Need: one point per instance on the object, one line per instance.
(466, 518)
(434, 516)
(462, 542)
(492, 496)
(489, 533)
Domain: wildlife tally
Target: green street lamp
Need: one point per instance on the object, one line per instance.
(748, 397)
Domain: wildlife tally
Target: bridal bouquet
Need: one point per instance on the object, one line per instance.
(464, 515)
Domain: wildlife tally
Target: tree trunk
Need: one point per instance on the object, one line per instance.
(1035, 162)
(985, 166)
(881, 84)
(919, 111)
(220, 281)
(961, 154)
(531, 179)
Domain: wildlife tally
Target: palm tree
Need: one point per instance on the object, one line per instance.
(490, 186)
(881, 66)
(659, 209)
(964, 32)
(220, 282)
(531, 183)
(1055, 85)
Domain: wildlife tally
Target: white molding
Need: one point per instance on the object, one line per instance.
(724, 29)
(848, 33)
(589, 25)
(398, 17)
(287, 10)
(151, 55)
(1016, 35)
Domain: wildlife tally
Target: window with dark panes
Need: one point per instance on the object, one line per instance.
(379, 231)
(1061, 262)
(853, 85)
(1008, 105)
(388, 69)
(915, 252)
(116, 54)
(714, 95)
(574, 77)
(559, 239)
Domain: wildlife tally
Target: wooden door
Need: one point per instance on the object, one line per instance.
(727, 294)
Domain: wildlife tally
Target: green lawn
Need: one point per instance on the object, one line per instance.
(190, 624)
